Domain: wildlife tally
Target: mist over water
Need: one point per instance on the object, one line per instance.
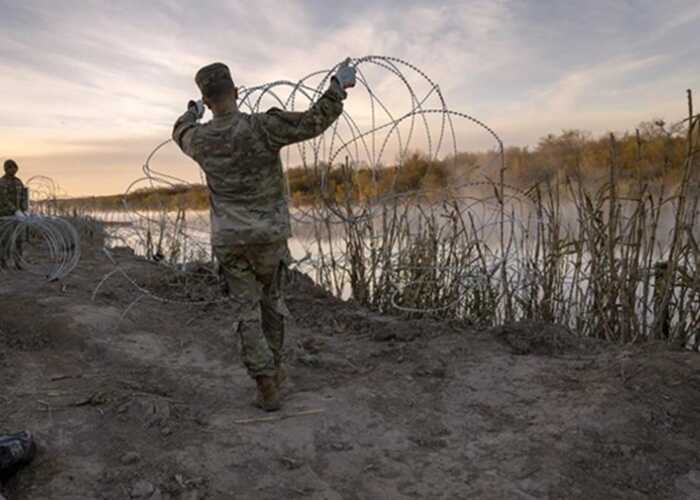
(477, 255)
(131, 229)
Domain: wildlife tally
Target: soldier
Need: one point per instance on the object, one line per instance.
(240, 156)
(12, 202)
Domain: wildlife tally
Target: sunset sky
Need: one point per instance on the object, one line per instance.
(90, 87)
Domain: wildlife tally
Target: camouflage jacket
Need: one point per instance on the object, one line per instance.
(240, 156)
(11, 193)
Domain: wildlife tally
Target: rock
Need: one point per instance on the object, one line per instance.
(383, 335)
(341, 446)
(308, 359)
(432, 368)
(541, 338)
(130, 458)
(142, 489)
(312, 345)
(195, 481)
(689, 484)
(291, 463)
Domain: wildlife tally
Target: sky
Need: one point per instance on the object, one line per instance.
(91, 86)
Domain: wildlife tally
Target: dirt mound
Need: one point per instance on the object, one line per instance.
(149, 400)
(545, 339)
(316, 308)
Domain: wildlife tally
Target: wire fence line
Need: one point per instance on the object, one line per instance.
(606, 264)
(173, 237)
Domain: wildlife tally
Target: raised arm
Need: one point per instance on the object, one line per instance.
(186, 125)
(287, 127)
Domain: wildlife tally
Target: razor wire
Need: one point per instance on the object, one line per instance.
(365, 141)
(56, 254)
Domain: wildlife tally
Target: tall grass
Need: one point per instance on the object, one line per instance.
(614, 264)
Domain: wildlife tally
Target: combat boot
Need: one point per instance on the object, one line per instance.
(268, 397)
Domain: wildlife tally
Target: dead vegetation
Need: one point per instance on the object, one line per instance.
(606, 264)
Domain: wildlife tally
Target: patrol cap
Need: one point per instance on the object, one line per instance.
(10, 164)
(214, 80)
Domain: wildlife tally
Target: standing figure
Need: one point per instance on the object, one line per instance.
(240, 156)
(13, 202)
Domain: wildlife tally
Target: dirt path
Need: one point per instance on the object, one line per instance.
(155, 405)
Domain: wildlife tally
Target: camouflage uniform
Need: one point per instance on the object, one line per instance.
(11, 195)
(240, 156)
(12, 198)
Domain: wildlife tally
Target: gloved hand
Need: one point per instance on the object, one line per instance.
(345, 75)
(197, 107)
(20, 215)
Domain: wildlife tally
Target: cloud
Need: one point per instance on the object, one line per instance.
(92, 84)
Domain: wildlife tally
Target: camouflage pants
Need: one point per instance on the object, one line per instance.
(255, 276)
(7, 252)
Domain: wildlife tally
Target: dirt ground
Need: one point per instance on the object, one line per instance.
(155, 404)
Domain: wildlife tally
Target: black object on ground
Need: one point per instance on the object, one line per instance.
(15, 450)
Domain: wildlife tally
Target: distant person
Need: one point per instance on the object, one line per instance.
(13, 202)
(240, 156)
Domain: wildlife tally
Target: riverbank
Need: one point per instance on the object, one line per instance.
(150, 400)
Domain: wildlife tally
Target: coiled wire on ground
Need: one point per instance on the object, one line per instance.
(57, 254)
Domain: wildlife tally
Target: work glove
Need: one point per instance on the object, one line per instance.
(197, 107)
(345, 75)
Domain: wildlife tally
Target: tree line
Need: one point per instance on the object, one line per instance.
(652, 154)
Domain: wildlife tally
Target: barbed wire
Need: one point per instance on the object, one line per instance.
(477, 244)
(363, 140)
(58, 239)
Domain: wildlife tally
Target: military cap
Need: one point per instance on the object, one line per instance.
(214, 79)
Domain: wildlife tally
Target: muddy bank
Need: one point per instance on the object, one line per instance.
(155, 404)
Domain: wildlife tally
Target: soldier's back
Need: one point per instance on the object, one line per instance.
(245, 179)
